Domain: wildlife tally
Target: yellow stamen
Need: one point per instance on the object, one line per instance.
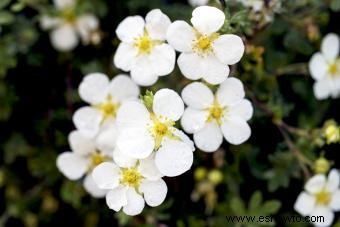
(96, 159)
(161, 128)
(216, 112)
(108, 108)
(323, 197)
(203, 43)
(332, 68)
(144, 44)
(131, 177)
(69, 15)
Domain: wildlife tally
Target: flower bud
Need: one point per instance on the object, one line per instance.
(321, 165)
(200, 173)
(215, 176)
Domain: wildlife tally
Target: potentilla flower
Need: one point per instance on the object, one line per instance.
(320, 198)
(205, 53)
(130, 187)
(151, 128)
(210, 117)
(67, 27)
(143, 50)
(324, 67)
(105, 98)
(86, 154)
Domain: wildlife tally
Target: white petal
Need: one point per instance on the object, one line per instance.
(335, 201)
(72, 165)
(318, 66)
(47, 22)
(93, 88)
(136, 142)
(207, 19)
(330, 46)
(162, 59)
(116, 198)
(195, 3)
(322, 88)
(157, 24)
(235, 130)
(209, 138)
(85, 25)
(333, 180)
(132, 114)
(215, 72)
(64, 4)
(326, 214)
(122, 160)
(64, 38)
(167, 103)
(122, 88)
(87, 120)
(125, 56)
(106, 175)
(174, 158)
(230, 92)
(147, 167)
(142, 72)
(184, 138)
(135, 203)
(106, 140)
(243, 109)
(194, 120)
(91, 187)
(154, 191)
(197, 95)
(304, 204)
(181, 35)
(315, 184)
(80, 144)
(130, 28)
(229, 49)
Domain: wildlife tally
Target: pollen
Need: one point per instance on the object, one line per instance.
(96, 159)
(332, 68)
(108, 108)
(144, 44)
(323, 197)
(203, 43)
(161, 128)
(216, 113)
(131, 177)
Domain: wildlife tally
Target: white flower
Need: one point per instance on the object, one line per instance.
(86, 154)
(324, 67)
(67, 27)
(255, 5)
(105, 98)
(130, 186)
(143, 50)
(321, 198)
(211, 117)
(195, 3)
(205, 53)
(143, 131)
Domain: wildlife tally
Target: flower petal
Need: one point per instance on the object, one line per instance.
(333, 180)
(194, 120)
(315, 184)
(197, 95)
(147, 167)
(207, 19)
(122, 160)
(243, 109)
(162, 59)
(106, 175)
(174, 158)
(326, 214)
(106, 140)
(47, 22)
(191, 65)
(180, 35)
(135, 203)
(235, 130)
(72, 165)
(304, 204)
(330, 46)
(184, 138)
(335, 201)
(124, 57)
(64, 4)
(81, 145)
(157, 24)
(167, 103)
(154, 192)
(132, 114)
(64, 38)
(209, 138)
(117, 198)
(130, 28)
(322, 88)
(87, 120)
(136, 142)
(85, 25)
(122, 88)
(142, 72)
(93, 89)
(91, 187)
(214, 71)
(230, 92)
(229, 49)
(318, 66)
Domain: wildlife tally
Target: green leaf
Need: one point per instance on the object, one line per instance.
(237, 206)
(6, 18)
(4, 3)
(271, 207)
(255, 201)
(335, 5)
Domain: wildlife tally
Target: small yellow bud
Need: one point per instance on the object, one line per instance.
(321, 165)
(215, 176)
(200, 173)
(332, 133)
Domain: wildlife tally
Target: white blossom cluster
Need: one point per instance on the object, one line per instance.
(125, 144)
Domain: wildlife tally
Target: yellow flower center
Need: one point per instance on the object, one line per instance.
(144, 44)
(69, 15)
(131, 177)
(323, 197)
(161, 128)
(108, 108)
(203, 43)
(216, 112)
(332, 69)
(97, 158)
